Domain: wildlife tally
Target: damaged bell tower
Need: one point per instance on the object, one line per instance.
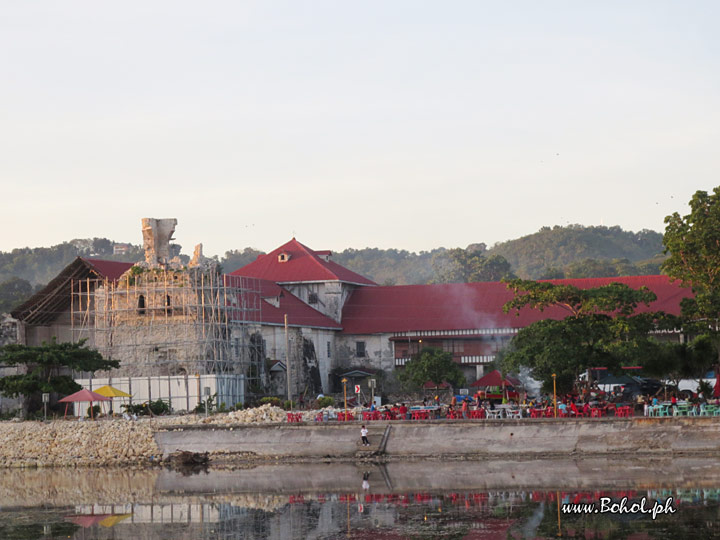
(163, 317)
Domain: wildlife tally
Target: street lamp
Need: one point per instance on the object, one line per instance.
(345, 381)
(554, 394)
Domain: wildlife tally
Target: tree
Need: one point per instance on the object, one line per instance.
(432, 365)
(614, 297)
(13, 292)
(43, 368)
(676, 361)
(552, 273)
(601, 330)
(236, 258)
(465, 266)
(693, 242)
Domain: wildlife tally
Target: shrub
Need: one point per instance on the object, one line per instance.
(326, 401)
(271, 400)
(159, 407)
(143, 409)
(238, 406)
(287, 405)
(93, 411)
(138, 409)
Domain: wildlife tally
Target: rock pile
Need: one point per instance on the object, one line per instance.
(62, 443)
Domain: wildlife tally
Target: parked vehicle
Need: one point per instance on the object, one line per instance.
(644, 386)
(690, 386)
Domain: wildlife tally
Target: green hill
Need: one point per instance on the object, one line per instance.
(558, 247)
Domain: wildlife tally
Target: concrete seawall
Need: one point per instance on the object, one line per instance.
(470, 439)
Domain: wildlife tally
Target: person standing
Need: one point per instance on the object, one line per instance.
(363, 435)
(465, 407)
(403, 412)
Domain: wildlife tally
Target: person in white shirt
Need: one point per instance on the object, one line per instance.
(364, 434)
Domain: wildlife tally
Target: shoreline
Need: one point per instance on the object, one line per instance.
(149, 443)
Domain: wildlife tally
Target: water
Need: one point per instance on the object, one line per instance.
(469, 500)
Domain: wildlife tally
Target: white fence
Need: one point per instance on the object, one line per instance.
(182, 392)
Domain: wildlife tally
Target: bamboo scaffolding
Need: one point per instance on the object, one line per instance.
(205, 320)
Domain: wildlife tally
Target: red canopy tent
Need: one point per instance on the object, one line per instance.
(495, 378)
(83, 395)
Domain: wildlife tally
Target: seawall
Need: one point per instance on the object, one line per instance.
(117, 442)
(462, 439)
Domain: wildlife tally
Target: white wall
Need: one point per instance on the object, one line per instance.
(181, 391)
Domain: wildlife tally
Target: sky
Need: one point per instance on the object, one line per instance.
(403, 124)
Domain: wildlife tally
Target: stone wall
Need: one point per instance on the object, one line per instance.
(379, 351)
(9, 334)
(8, 329)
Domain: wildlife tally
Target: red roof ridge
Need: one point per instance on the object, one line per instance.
(105, 268)
(306, 266)
(314, 257)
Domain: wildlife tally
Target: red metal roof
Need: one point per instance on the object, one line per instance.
(303, 264)
(495, 378)
(111, 270)
(461, 306)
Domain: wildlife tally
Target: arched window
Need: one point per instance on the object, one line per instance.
(141, 305)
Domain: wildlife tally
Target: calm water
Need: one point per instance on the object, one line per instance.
(473, 500)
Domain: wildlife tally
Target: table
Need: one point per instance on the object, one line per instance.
(624, 412)
(497, 413)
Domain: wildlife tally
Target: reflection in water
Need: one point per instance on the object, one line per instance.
(371, 502)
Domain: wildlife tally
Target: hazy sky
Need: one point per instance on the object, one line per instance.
(403, 124)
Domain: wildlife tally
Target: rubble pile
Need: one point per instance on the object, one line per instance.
(85, 444)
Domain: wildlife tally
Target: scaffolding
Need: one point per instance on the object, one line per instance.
(165, 322)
